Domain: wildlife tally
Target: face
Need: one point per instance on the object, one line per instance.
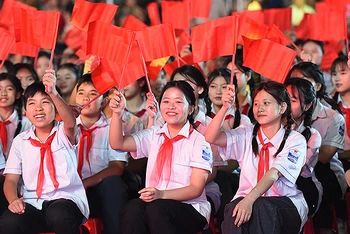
(8, 94)
(295, 101)
(315, 51)
(341, 79)
(242, 78)
(132, 90)
(42, 65)
(66, 80)
(40, 110)
(86, 93)
(174, 107)
(216, 88)
(26, 78)
(197, 89)
(266, 109)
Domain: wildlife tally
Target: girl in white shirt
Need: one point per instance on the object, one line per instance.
(271, 157)
(179, 161)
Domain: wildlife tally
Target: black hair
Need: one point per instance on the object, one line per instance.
(341, 61)
(86, 78)
(29, 67)
(9, 66)
(36, 87)
(187, 90)
(72, 67)
(281, 95)
(306, 93)
(226, 74)
(18, 104)
(313, 71)
(195, 76)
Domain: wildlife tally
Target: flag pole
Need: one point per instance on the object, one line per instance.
(144, 67)
(7, 54)
(235, 32)
(54, 44)
(176, 49)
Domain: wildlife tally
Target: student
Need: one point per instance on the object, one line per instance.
(11, 123)
(302, 95)
(179, 161)
(244, 81)
(26, 74)
(42, 63)
(99, 166)
(267, 200)
(44, 156)
(67, 78)
(330, 124)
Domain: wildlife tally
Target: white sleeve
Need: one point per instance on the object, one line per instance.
(14, 161)
(202, 156)
(143, 141)
(335, 132)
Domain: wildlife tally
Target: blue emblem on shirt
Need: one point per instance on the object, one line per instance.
(341, 129)
(206, 153)
(293, 156)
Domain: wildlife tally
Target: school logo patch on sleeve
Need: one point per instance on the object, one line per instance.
(293, 156)
(206, 153)
(341, 129)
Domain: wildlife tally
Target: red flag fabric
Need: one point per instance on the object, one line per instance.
(155, 66)
(251, 29)
(331, 50)
(109, 42)
(153, 13)
(268, 58)
(37, 28)
(282, 17)
(177, 13)
(257, 16)
(157, 41)
(74, 38)
(302, 30)
(200, 8)
(273, 31)
(24, 49)
(85, 12)
(81, 53)
(207, 38)
(188, 59)
(184, 39)
(134, 24)
(7, 42)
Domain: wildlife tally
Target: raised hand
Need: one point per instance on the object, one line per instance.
(49, 80)
(228, 97)
(151, 105)
(117, 103)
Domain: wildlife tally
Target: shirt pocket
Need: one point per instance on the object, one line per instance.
(182, 171)
(99, 158)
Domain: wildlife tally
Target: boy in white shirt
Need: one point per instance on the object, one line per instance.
(53, 195)
(99, 166)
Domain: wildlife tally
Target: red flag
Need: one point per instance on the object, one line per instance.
(185, 39)
(157, 41)
(24, 49)
(251, 29)
(109, 42)
(85, 12)
(153, 13)
(155, 66)
(188, 59)
(214, 38)
(74, 38)
(331, 50)
(268, 58)
(282, 17)
(177, 13)
(7, 41)
(134, 24)
(6, 14)
(37, 28)
(302, 30)
(81, 53)
(200, 8)
(257, 16)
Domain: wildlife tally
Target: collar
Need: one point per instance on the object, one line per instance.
(341, 100)
(185, 130)
(200, 117)
(301, 127)
(319, 111)
(13, 118)
(275, 140)
(101, 122)
(31, 132)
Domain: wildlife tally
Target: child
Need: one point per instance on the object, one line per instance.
(42, 63)
(179, 160)
(267, 200)
(99, 166)
(67, 78)
(330, 124)
(26, 74)
(11, 123)
(302, 95)
(44, 155)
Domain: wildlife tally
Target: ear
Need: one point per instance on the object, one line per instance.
(190, 110)
(249, 76)
(104, 103)
(318, 86)
(307, 106)
(200, 90)
(283, 108)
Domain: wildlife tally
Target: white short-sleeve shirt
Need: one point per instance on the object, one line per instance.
(192, 151)
(331, 126)
(11, 129)
(346, 137)
(101, 152)
(288, 162)
(24, 159)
